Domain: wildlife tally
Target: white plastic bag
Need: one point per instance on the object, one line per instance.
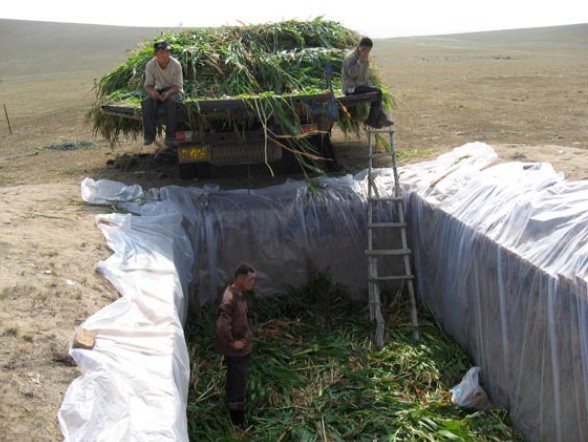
(108, 192)
(469, 394)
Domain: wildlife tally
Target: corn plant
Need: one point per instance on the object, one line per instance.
(265, 65)
(316, 377)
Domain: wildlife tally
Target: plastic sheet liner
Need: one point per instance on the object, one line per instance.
(501, 256)
(134, 381)
(184, 247)
(286, 231)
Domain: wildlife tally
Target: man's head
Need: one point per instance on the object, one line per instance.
(365, 46)
(244, 277)
(161, 45)
(161, 49)
(366, 42)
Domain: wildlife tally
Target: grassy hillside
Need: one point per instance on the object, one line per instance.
(58, 48)
(515, 87)
(54, 48)
(569, 35)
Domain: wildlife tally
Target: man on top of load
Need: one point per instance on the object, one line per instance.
(164, 84)
(355, 79)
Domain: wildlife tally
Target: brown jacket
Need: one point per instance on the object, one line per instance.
(232, 323)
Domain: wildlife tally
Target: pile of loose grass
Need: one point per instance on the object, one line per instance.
(263, 64)
(75, 145)
(316, 377)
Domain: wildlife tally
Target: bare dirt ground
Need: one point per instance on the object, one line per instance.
(523, 92)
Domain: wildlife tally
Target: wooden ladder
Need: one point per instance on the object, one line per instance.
(398, 225)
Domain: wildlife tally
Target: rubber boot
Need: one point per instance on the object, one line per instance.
(238, 419)
(383, 121)
(372, 119)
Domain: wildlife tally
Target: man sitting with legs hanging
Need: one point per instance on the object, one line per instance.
(355, 79)
(164, 84)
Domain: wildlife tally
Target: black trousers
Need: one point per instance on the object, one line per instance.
(375, 106)
(236, 381)
(150, 111)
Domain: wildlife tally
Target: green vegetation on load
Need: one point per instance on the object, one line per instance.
(316, 377)
(231, 61)
(265, 65)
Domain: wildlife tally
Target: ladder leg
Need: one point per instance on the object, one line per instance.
(408, 271)
(413, 312)
(404, 241)
(376, 303)
(373, 288)
(373, 285)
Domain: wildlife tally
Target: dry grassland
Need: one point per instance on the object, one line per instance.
(524, 92)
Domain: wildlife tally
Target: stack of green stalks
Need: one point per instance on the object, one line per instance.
(263, 64)
(316, 377)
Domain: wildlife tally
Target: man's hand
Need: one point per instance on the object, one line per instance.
(168, 93)
(364, 53)
(239, 344)
(154, 94)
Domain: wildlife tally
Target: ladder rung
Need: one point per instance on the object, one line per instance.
(385, 198)
(388, 252)
(390, 278)
(386, 130)
(383, 225)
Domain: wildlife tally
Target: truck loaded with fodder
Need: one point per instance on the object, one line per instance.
(253, 94)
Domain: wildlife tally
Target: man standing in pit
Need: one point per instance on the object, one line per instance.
(233, 341)
(355, 80)
(164, 84)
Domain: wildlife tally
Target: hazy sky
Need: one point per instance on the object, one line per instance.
(377, 19)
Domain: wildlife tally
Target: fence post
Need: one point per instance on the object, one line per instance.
(7, 120)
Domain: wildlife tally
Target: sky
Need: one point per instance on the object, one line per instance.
(376, 19)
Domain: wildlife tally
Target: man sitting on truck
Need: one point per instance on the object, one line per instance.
(355, 79)
(164, 84)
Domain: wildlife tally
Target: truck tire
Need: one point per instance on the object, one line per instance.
(187, 171)
(203, 170)
(324, 146)
(289, 162)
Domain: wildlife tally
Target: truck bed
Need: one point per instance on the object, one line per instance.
(134, 112)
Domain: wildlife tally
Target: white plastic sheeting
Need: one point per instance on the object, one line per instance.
(286, 231)
(502, 258)
(134, 381)
(184, 246)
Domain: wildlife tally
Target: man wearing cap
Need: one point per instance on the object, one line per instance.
(164, 84)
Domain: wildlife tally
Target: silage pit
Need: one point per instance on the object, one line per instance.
(459, 219)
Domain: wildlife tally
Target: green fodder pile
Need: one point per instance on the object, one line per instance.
(316, 377)
(263, 64)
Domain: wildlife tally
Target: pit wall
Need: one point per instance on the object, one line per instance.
(500, 253)
(178, 248)
(501, 257)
